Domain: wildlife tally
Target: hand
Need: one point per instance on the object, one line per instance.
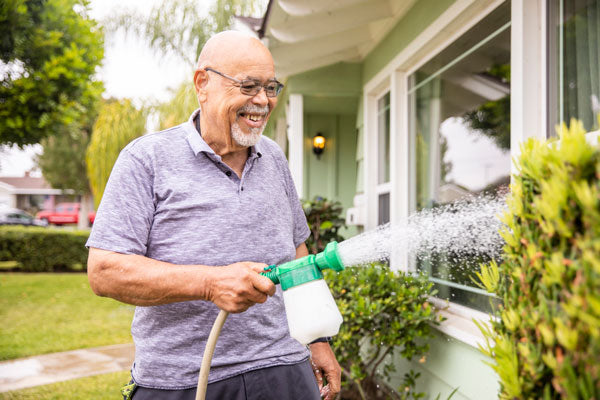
(324, 363)
(237, 287)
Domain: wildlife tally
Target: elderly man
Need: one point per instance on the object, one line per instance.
(182, 211)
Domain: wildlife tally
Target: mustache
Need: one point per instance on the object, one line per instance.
(254, 109)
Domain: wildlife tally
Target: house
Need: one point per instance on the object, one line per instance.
(421, 102)
(29, 193)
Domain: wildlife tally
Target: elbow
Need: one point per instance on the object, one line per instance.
(96, 273)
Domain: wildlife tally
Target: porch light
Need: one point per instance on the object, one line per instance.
(318, 144)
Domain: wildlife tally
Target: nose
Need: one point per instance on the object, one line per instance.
(261, 98)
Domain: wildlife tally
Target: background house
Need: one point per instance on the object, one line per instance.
(29, 193)
(423, 102)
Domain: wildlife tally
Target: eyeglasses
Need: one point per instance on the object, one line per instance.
(251, 87)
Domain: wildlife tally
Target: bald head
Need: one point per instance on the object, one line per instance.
(230, 48)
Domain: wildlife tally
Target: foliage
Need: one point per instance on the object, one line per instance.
(63, 161)
(47, 313)
(43, 249)
(179, 108)
(546, 340)
(118, 123)
(49, 51)
(385, 313)
(97, 387)
(176, 27)
(324, 221)
(492, 119)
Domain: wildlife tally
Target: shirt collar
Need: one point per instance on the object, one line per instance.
(198, 145)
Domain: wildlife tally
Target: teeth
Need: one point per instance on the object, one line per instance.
(254, 118)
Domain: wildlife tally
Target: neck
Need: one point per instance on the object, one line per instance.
(222, 144)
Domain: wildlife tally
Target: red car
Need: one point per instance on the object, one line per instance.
(64, 213)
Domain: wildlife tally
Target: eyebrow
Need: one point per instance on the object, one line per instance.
(260, 80)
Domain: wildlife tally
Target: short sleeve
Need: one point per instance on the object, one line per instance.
(126, 211)
(301, 230)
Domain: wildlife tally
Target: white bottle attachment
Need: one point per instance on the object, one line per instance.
(311, 311)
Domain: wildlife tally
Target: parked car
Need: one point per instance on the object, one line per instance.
(64, 213)
(14, 216)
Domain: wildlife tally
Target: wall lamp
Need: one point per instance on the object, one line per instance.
(318, 144)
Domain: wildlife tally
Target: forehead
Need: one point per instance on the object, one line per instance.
(252, 71)
(251, 61)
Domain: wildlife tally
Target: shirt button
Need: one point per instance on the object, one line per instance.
(242, 188)
(228, 173)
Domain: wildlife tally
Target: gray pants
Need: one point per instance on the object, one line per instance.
(284, 382)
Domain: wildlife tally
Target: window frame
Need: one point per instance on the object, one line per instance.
(447, 28)
(552, 92)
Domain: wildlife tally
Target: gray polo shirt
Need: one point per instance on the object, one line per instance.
(171, 198)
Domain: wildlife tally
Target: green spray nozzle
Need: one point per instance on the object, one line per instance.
(305, 269)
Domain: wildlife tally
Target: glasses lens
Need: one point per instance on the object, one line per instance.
(250, 87)
(272, 89)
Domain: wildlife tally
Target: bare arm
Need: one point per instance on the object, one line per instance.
(143, 281)
(301, 251)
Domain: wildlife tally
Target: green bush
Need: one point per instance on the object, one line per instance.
(385, 313)
(324, 221)
(546, 340)
(42, 249)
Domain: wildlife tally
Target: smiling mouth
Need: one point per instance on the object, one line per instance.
(253, 117)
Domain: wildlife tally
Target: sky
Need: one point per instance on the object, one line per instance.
(130, 69)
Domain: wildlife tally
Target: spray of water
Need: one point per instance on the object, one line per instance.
(465, 229)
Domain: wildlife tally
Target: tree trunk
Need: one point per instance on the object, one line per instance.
(84, 209)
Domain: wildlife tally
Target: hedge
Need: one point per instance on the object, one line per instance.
(545, 341)
(385, 313)
(40, 249)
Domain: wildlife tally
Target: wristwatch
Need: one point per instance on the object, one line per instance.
(325, 339)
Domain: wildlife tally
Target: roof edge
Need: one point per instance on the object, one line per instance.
(263, 28)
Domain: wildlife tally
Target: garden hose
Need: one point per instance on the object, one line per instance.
(211, 343)
(293, 274)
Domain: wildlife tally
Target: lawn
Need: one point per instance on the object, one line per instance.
(46, 313)
(99, 387)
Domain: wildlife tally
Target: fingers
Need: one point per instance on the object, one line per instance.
(334, 381)
(323, 361)
(263, 285)
(318, 375)
(238, 286)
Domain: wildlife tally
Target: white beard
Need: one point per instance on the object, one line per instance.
(246, 139)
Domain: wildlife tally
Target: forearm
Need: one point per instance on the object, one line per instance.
(142, 281)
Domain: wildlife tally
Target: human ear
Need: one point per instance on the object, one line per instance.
(200, 82)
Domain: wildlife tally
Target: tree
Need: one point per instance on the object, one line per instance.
(63, 160)
(179, 108)
(118, 123)
(177, 28)
(49, 51)
(492, 119)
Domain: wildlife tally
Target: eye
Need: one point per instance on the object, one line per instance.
(249, 85)
(272, 86)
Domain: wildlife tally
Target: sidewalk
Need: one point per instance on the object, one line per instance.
(49, 368)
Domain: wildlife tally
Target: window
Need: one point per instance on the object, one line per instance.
(574, 62)
(383, 158)
(459, 132)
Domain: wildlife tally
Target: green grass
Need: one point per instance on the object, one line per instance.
(99, 387)
(46, 313)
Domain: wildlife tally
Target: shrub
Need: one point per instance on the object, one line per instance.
(324, 221)
(546, 340)
(43, 249)
(385, 313)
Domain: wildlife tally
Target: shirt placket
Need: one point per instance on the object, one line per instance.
(247, 168)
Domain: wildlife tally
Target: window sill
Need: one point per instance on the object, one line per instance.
(459, 322)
